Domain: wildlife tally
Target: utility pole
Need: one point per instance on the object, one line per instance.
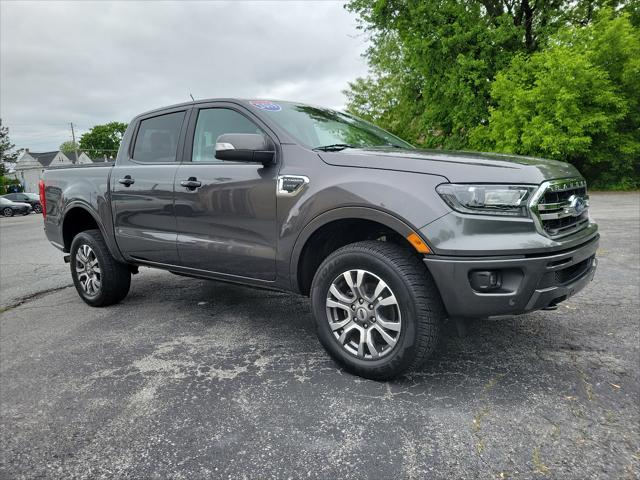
(75, 145)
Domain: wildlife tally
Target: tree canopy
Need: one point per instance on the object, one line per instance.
(69, 147)
(578, 100)
(103, 140)
(7, 154)
(538, 77)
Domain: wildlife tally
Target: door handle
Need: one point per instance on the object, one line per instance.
(191, 183)
(127, 181)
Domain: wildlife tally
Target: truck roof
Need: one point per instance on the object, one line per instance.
(208, 100)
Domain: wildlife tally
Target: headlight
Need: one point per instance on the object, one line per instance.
(505, 200)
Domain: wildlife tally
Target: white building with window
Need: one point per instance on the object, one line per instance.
(29, 167)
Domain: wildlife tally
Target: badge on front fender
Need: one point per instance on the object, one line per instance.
(291, 185)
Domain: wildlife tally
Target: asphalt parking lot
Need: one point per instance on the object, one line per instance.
(193, 379)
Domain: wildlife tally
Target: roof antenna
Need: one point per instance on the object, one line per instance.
(193, 99)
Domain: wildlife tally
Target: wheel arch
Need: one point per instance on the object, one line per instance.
(302, 267)
(79, 217)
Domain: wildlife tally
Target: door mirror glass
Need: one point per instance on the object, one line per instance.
(245, 147)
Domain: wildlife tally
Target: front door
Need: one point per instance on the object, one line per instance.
(227, 224)
(142, 190)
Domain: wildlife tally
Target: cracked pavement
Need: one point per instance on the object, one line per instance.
(193, 379)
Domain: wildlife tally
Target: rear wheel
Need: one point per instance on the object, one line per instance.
(377, 309)
(7, 212)
(37, 209)
(99, 279)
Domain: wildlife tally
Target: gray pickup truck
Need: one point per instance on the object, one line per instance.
(387, 241)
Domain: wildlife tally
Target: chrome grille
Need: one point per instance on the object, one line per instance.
(561, 207)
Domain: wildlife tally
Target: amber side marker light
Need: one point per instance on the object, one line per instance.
(417, 243)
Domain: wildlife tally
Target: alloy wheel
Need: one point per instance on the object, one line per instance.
(363, 314)
(88, 270)
(7, 212)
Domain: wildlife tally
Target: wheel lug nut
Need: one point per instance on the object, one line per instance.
(373, 319)
(370, 307)
(353, 307)
(361, 301)
(366, 325)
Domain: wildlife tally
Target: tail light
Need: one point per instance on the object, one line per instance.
(43, 199)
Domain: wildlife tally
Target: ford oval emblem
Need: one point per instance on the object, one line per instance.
(577, 205)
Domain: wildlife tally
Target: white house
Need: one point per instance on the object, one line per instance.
(30, 166)
(82, 159)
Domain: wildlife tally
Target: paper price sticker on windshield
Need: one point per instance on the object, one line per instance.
(266, 105)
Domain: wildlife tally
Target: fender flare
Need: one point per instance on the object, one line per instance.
(113, 248)
(341, 213)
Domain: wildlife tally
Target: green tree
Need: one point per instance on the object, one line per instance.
(578, 101)
(432, 62)
(6, 147)
(103, 140)
(69, 147)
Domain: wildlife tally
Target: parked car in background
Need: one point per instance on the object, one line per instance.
(9, 208)
(23, 197)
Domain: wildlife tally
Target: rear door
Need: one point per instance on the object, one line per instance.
(142, 188)
(226, 225)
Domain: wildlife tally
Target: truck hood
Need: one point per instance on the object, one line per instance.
(457, 167)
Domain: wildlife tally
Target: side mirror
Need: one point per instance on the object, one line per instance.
(245, 147)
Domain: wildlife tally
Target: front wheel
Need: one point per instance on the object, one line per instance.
(37, 209)
(7, 212)
(99, 279)
(377, 309)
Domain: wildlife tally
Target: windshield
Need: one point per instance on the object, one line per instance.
(320, 127)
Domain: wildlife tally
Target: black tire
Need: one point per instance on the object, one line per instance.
(7, 212)
(419, 303)
(115, 277)
(37, 209)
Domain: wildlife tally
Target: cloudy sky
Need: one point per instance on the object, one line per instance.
(91, 63)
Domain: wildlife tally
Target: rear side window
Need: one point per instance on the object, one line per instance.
(157, 139)
(213, 122)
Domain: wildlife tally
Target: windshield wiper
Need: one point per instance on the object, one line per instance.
(334, 147)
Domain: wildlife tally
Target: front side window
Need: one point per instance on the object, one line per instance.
(213, 122)
(157, 139)
(321, 127)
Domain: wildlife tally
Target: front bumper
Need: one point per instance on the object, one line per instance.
(529, 282)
